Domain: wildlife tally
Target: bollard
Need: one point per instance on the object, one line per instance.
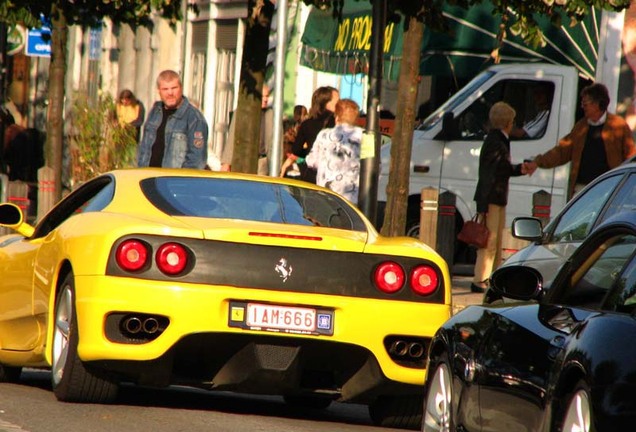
(428, 216)
(541, 203)
(4, 184)
(18, 194)
(446, 230)
(46, 190)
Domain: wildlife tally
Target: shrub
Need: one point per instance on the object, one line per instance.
(98, 142)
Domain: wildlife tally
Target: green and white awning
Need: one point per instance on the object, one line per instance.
(343, 47)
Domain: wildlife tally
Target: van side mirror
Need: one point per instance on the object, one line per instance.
(449, 128)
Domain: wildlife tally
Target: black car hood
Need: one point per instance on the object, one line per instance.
(530, 316)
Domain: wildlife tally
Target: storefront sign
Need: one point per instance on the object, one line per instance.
(16, 39)
(354, 34)
(39, 42)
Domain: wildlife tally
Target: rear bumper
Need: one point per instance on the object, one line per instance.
(199, 344)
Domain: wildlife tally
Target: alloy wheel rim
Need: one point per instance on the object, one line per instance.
(437, 413)
(63, 317)
(577, 417)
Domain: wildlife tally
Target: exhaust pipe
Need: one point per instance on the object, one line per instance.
(151, 325)
(132, 325)
(399, 348)
(416, 350)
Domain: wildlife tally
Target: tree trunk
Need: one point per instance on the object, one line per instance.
(399, 171)
(248, 109)
(55, 120)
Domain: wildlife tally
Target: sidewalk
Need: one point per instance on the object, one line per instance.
(462, 296)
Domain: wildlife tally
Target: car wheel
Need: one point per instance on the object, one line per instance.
(413, 228)
(397, 412)
(72, 380)
(578, 413)
(312, 402)
(10, 374)
(438, 413)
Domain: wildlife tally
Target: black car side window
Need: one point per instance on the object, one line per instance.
(624, 200)
(595, 276)
(577, 221)
(623, 296)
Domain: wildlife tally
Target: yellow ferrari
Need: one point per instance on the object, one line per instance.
(221, 281)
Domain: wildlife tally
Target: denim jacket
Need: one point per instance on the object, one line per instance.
(186, 137)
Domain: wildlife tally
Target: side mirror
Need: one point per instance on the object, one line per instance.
(449, 128)
(11, 216)
(517, 282)
(527, 228)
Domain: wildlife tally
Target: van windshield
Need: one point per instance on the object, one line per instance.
(455, 100)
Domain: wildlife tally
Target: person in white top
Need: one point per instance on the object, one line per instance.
(336, 153)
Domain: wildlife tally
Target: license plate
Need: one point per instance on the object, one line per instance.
(280, 318)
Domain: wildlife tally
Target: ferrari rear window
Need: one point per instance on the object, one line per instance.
(250, 200)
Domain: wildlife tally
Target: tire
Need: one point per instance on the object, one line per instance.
(577, 415)
(72, 380)
(311, 402)
(10, 374)
(438, 411)
(403, 412)
(412, 228)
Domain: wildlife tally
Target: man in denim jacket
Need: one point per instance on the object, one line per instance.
(176, 133)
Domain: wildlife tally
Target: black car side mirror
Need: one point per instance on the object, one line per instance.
(517, 282)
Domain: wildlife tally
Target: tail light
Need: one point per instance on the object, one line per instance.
(132, 255)
(424, 280)
(389, 277)
(171, 258)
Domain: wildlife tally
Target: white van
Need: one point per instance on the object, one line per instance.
(452, 164)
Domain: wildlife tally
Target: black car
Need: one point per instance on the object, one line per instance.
(561, 359)
(612, 193)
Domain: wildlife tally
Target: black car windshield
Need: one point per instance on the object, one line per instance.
(222, 198)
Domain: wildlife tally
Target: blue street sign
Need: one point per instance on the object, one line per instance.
(37, 45)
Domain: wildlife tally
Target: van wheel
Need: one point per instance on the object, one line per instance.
(413, 217)
(413, 228)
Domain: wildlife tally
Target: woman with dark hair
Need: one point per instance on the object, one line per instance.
(321, 115)
(290, 128)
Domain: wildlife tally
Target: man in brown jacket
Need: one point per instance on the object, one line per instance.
(597, 143)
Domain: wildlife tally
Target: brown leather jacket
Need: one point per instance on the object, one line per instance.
(617, 138)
